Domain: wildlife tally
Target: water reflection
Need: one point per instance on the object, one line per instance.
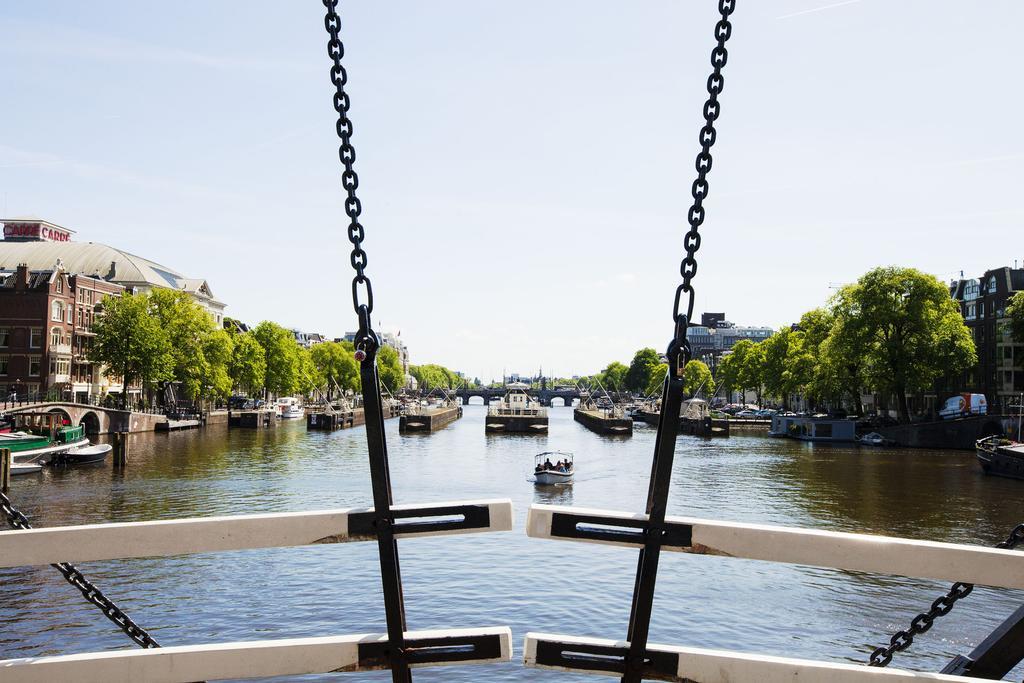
(507, 578)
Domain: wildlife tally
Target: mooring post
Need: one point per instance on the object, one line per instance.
(120, 449)
(6, 460)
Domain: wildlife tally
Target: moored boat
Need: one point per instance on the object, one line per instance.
(39, 436)
(26, 468)
(288, 408)
(517, 412)
(874, 439)
(84, 455)
(561, 471)
(1001, 457)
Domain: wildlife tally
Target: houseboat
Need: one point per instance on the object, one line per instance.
(822, 429)
(517, 412)
(38, 437)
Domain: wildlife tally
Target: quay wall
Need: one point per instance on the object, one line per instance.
(429, 420)
(957, 434)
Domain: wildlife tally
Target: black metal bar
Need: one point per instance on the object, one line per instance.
(995, 656)
(380, 477)
(606, 658)
(617, 530)
(657, 502)
(361, 524)
(460, 648)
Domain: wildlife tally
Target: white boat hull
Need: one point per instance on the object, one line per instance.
(29, 468)
(292, 413)
(548, 477)
(43, 454)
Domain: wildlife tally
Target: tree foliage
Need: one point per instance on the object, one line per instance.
(613, 377)
(200, 351)
(337, 366)
(281, 356)
(389, 367)
(1015, 312)
(131, 342)
(697, 378)
(432, 376)
(638, 377)
(248, 363)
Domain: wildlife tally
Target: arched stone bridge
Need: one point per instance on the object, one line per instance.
(95, 419)
(544, 396)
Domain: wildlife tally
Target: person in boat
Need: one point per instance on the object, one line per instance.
(547, 464)
(539, 468)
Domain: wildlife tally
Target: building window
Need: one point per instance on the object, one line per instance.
(33, 366)
(5, 337)
(56, 337)
(992, 284)
(4, 360)
(57, 314)
(60, 284)
(971, 312)
(35, 339)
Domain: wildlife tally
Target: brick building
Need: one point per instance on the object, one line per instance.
(999, 373)
(45, 333)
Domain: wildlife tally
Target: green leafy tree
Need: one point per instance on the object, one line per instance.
(613, 377)
(248, 367)
(728, 374)
(131, 342)
(656, 379)
(638, 377)
(697, 378)
(1015, 312)
(389, 367)
(749, 359)
(192, 332)
(337, 365)
(310, 379)
(281, 353)
(911, 329)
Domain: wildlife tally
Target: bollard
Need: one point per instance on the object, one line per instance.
(120, 449)
(6, 461)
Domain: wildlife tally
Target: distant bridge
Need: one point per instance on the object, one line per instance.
(95, 419)
(544, 396)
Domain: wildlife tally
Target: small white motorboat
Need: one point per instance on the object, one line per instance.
(559, 471)
(25, 468)
(86, 455)
(874, 439)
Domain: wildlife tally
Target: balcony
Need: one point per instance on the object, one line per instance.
(60, 349)
(57, 378)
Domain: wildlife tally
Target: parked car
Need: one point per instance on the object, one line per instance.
(747, 413)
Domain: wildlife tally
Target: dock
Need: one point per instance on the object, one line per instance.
(707, 426)
(428, 419)
(253, 419)
(345, 419)
(603, 422)
(175, 425)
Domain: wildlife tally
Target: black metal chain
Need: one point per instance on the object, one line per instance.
(942, 606)
(347, 155)
(17, 520)
(679, 349)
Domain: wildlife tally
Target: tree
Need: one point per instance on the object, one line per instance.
(614, 376)
(697, 377)
(192, 332)
(774, 352)
(130, 341)
(337, 365)
(248, 367)
(389, 367)
(910, 329)
(281, 354)
(729, 374)
(308, 375)
(1015, 312)
(638, 377)
(656, 380)
(749, 360)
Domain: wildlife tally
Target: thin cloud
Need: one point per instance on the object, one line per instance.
(817, 9)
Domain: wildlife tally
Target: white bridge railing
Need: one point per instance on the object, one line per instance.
(844, 551)
(289, 657)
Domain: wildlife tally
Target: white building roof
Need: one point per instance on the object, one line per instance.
(100, 260)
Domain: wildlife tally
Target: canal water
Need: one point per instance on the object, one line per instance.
(507, 578)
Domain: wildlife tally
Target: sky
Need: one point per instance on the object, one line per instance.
(524, 166)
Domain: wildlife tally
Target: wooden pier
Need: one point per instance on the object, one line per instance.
(603, 422)
(175, 425)
(429, 419)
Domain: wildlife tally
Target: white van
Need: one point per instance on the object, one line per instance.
(963, 405)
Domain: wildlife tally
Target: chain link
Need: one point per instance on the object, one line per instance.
(17, 520)
(700, 187)
(942, 606)
(347, 155)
